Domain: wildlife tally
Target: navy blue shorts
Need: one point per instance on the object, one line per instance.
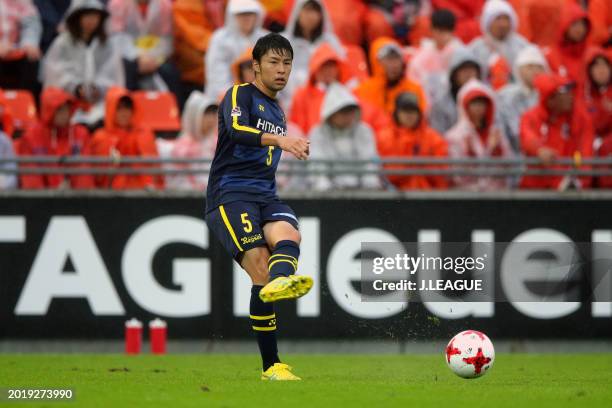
(239, 225)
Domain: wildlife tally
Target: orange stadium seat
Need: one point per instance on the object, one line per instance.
(22, 106)
(158, 110)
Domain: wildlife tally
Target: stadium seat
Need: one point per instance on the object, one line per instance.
(158, 110)
(22, 106)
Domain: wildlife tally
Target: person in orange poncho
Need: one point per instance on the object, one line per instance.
(539, 20)
(123, 135)
(558, 127)
(566, 56)
(411, 136)
(388, 78)
(326, 67)
(54, 135)
(597, 96)
(597, 92)
(242, 68)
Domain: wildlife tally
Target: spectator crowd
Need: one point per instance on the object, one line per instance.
(371, 79)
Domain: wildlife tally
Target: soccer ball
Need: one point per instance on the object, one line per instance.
(470, 354)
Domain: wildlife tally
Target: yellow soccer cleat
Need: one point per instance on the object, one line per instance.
(279, 372)
(286, 287)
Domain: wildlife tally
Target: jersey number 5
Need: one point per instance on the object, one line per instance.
(269, 158)
(248, 227)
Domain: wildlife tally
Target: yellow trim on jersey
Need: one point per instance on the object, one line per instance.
(235, 123)
(264, 328)
(283, 260)
(229, 227)
(272, 316)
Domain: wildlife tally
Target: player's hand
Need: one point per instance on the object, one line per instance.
(298, 146)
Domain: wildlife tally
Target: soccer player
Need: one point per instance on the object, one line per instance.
(242, 208)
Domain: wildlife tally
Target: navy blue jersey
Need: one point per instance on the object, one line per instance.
(243, 169)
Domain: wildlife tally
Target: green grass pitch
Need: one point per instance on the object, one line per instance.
(232, 380)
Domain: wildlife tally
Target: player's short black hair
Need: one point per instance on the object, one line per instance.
(443, 19)
(272, 42)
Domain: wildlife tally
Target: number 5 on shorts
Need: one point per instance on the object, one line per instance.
(248, 226)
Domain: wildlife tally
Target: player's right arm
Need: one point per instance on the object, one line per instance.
(236, 116)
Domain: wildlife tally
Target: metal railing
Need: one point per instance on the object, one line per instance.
(423, 166)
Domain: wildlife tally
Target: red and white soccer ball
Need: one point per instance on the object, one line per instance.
(470, 354)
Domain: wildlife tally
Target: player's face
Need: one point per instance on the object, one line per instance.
(274, 69)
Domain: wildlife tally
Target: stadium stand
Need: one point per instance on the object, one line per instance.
(441, 45)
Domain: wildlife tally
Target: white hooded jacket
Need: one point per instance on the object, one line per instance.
(71, 62)
(227, 44)
(516, 98)
(464, 140)
(303, 49)
(356, 142)
(191, 143)
(486, 47)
